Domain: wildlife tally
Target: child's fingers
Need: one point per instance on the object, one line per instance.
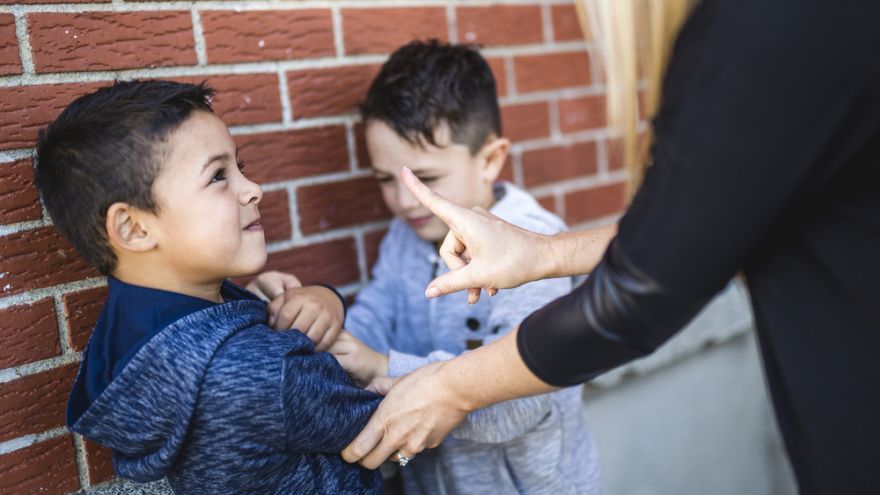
(273, 284)
(329, 338)
(381, 385)
(287, 313)
(281, 312)
(315, 332)
(305, 318)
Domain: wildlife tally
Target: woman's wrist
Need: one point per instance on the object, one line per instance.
(577, 253)
(561, 251)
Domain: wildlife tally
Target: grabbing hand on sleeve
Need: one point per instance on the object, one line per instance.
(358, 360)
(269, 285)
(315, 311)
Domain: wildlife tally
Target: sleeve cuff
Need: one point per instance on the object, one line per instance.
(341, 300)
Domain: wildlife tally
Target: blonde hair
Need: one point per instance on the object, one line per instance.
(633, 39)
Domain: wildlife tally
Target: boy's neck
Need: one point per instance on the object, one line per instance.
(162, 280)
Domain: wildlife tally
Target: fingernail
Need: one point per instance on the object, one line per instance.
(432, 292)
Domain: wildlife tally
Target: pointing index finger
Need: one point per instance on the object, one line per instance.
(440, 206)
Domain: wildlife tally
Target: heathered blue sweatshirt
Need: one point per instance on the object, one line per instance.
(219, 403)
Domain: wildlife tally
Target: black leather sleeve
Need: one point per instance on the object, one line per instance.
(617, 315)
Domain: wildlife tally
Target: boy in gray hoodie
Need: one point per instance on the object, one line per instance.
(433, 108)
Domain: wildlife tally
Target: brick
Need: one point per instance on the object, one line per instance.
(559, 163)
(340, 204)
(382, 30)
(63, 42)
(28, 333)
(525, 121)
(39, 258)
(259, 35)
(35, 403)
(333, 91)
(275, 216)
(19, 199)
(500, 24)
(360, 146)
(13, 2)
(47, 467)
(507, 170)
(10, 63)
(590, 204)
(566, 26)
(372, 241)
(333, 262)
(500, 75)
(243, 99)
(554, 71)
(24, 109)
(548, 203)
(82, 309)
(277, 156)
(578, 114)
(100, 462)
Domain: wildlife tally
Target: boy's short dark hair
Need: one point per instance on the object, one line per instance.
(108, 147)
(427, 83)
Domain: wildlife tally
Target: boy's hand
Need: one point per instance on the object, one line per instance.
(315, 311)
(271, 284)
(362, 363)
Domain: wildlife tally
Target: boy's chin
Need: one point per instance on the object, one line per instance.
(433, 233)
(252, 267)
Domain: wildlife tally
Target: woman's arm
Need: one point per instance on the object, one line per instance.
(424, 406)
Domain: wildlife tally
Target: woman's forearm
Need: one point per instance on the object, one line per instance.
(465, 375)
(577, 253)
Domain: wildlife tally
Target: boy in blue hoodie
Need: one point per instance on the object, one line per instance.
(182, 377)
(433, 108)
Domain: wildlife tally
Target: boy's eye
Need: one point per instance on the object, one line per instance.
(427, 179)
(384, 179)
(218, 176)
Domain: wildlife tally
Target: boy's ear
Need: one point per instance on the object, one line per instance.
(128, 228)
(494, 156)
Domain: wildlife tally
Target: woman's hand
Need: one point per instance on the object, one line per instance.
(481, 250)
(418, 411)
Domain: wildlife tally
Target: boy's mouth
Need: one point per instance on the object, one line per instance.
(419, 222)
(256, 225)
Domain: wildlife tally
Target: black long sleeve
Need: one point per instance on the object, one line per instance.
(767, 161)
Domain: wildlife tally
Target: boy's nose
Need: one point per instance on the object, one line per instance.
(405, 198)
(251, 192)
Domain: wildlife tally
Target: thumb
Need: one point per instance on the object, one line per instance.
(290, 282)
(450, 282)
(381, 385)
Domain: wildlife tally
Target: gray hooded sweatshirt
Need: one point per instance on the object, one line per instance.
(533, 445)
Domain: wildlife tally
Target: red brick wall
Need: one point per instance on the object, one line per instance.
(289, 75)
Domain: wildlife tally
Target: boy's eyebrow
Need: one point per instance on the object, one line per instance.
(219, 157)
